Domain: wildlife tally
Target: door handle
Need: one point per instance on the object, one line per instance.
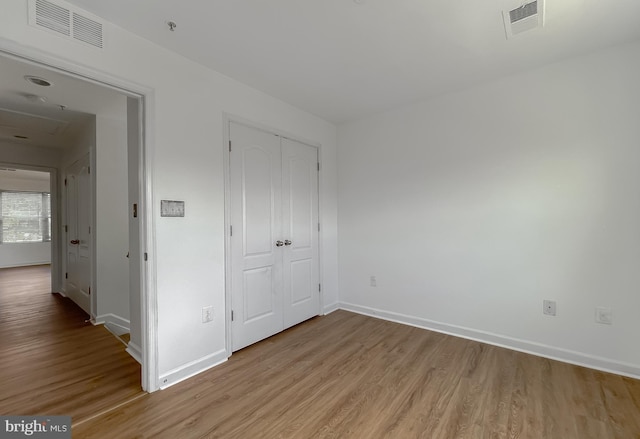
(279, 243)
(74, 241)
(287, 242)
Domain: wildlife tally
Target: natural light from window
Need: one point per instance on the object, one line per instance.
(25, 217)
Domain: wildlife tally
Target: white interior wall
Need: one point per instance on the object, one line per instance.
(28, 253)
(112, 226)
(186, 144)
(12, 153)
(472, 208)
(105, 140)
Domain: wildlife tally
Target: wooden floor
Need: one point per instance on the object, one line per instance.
(350, 376)
(52, 362)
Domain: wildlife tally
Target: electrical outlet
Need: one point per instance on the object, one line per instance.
(549, 307)
(604, 316)
(207, 314)
(372, 281)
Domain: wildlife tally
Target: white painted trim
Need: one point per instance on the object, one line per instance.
(226, 157)
(135, 351)
(34, 56)
(191, 369)
(528, 347)
(229, 117)
(328, 309)
(115, 324)
(148, 281)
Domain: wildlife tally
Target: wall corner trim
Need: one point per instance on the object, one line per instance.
(328, 309)
(527, 347)
(135, 351)
(115, 324)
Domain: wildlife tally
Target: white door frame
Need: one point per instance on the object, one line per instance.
(14, 50)
(227, 119)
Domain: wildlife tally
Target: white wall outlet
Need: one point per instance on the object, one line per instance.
(207, 314)
(549, 307)
(372, 281)
(604, 316)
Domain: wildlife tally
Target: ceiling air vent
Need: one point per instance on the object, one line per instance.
(53, 17)
(525, 17)
(87, 30)
(66, 20)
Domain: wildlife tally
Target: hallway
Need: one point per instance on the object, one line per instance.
(54, 362)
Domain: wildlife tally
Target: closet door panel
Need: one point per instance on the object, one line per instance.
(256, 260)
(300, 229)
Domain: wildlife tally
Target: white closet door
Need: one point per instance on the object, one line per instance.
(256, 260)
(300, 231)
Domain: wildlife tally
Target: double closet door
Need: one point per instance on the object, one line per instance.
(274, 234)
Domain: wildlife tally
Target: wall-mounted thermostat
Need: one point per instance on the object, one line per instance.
(171, 208)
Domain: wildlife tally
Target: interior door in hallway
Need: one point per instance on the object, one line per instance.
(274, 241)
(78, 234)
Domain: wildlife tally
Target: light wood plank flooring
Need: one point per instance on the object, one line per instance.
(52, 362)
(350, 376)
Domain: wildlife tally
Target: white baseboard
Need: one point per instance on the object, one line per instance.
(328, 309)
(528, 347)
(135, 351)
(190, 369)
(113, 323)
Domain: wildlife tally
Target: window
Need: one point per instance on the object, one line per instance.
(25, 217)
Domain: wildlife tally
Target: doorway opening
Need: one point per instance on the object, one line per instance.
(86, 116)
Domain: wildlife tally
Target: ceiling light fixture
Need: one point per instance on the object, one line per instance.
(38, 81)
(172, 25)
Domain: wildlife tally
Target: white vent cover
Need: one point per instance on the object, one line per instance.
(66, 20)
(525, 17)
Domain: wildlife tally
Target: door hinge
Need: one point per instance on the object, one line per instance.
(229, 145)
(89, 290)
(89, 230)
(65, 181)
(135, 210)
(146, 256)
(232, 315)
(319, 288)
(66, 229)
(89, 170)
(318, 227)
(318, 166)
(230, 230)
(66, 275)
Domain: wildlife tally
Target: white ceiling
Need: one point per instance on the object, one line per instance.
(82, 100)
(341, 60)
